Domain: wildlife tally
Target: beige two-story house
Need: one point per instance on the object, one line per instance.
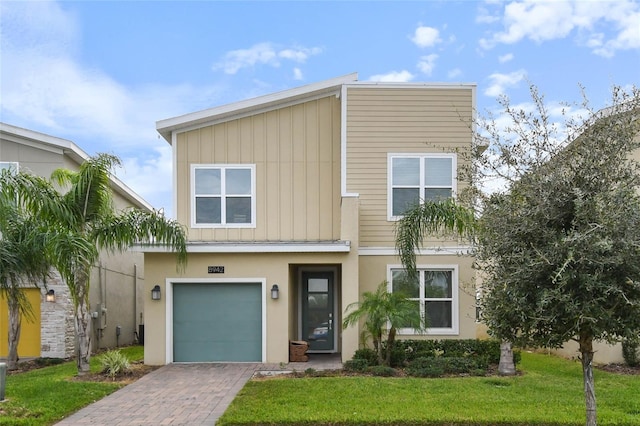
(290, 202)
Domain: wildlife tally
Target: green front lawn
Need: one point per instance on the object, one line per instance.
(549, 392)
(44, 396)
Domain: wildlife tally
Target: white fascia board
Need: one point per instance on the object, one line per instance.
(410, 85)
(71, 150)
(430, 251)
(249, 106)
(279, 247)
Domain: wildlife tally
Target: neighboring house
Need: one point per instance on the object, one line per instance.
(290, 202)
(116, 281)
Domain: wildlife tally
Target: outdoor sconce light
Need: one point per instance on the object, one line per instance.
(155, 292)
(275, 291)
(51, 296)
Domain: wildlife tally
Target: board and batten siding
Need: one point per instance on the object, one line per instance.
(384, 120)
(296, 151)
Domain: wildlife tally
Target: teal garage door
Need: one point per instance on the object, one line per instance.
(217, 322)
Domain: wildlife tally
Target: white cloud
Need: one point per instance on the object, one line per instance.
(484, 17)
(498, 83)
(151, 177)
(505, 58)
(393, 77)
(262, 54)
(45, 87)
(297, 74)
(426, 37)
(454, 73)
(427, 64)
(542, 21)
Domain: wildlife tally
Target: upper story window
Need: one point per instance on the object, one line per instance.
(435, 293)
(416, 177)
(223, 195)
(8, 165)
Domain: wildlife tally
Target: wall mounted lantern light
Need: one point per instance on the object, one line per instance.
(155, 292)
(275, 291)
(51, 296)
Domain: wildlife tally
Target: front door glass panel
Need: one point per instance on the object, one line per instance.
(318, 322)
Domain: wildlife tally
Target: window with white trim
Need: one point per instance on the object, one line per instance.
(413, 178)
(435, 292)
(223, 195)
(8, 165)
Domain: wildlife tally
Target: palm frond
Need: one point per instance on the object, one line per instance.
(133, 226)
(430, 218)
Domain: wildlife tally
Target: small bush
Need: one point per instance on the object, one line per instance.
(367, 354)
(458, 365)
(114, 363)
(44, 362)
(356, 365)
(425, 367)
(382, 371)
(631, 351)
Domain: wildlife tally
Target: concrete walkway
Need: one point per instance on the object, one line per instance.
(181, 394)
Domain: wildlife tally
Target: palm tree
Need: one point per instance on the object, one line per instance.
(86, 218)
(382, 309)
(437, 217)
(22, 263)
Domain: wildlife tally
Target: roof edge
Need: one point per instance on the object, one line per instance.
(167, 126)
(73, 151)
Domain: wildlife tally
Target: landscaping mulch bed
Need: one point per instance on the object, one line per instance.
(137, 370)
(620, 369)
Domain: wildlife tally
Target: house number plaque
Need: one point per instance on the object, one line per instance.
(215, 269)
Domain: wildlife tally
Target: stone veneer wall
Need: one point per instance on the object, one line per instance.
(57, 335)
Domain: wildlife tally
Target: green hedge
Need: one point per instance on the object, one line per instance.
(485, 352)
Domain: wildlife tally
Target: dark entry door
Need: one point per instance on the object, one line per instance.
(318, 316)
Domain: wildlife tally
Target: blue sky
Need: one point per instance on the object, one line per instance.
(102, 73)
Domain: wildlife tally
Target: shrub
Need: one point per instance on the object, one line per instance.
(382, 371)
(458, 365)
(425, 367)
(367, 354)
(488, 351)
(114, 363)
(356, 365)
(631, 351)
(44, 362)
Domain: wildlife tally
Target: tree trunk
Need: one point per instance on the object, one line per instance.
(586, 350)
(506, 366)
(390, 343)
(15, 323)
(83, 332)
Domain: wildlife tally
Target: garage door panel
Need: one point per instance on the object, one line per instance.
(217, 322)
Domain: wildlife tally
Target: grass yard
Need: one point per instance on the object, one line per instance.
(46, 395)
(549, 392)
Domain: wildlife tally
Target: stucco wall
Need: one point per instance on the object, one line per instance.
(275, 268)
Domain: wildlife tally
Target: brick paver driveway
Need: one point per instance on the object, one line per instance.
(175, 394)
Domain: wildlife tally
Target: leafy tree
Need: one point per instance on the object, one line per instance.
(384, 311)
(560, 247)
(84, 214)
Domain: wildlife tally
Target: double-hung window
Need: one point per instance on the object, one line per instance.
(435, 293)
(413, 178)
(223, 195)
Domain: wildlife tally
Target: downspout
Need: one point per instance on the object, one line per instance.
(135, 299)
